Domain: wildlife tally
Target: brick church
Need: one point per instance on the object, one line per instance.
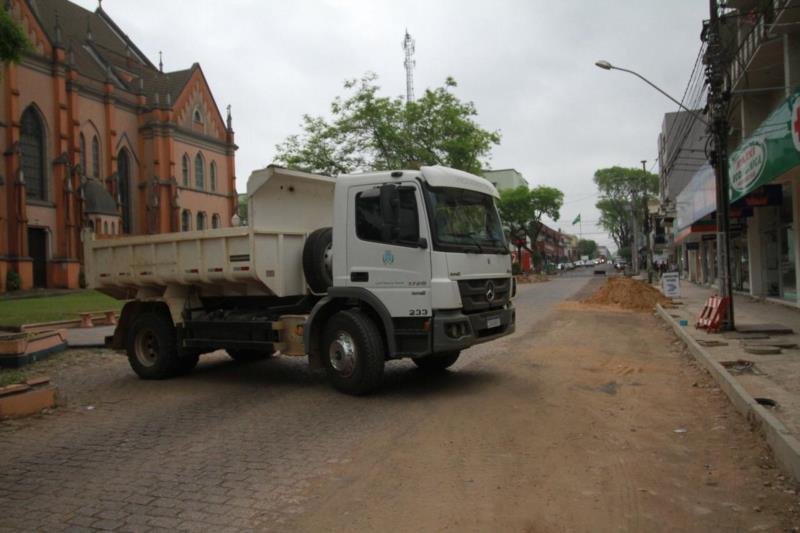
(96, 138)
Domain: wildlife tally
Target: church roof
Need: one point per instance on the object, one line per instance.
(97, 199)
(103, 52)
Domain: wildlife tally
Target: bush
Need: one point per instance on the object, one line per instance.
(516, 269)
(13, 281)
(82, 279)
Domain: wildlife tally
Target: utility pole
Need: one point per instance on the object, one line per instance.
(635, 243)
(718, 107)
(646, 227)
(409, 63)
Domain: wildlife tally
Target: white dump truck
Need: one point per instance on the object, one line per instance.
(351, 271)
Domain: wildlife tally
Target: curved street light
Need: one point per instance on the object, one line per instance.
(605, 65)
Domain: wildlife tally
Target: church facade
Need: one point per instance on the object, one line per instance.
(99, 142)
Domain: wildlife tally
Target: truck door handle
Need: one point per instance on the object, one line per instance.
(359, 276)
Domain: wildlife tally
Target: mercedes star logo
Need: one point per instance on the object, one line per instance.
(490, 292)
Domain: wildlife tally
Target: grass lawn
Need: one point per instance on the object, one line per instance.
(61, 307)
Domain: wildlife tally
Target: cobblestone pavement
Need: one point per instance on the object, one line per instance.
(228, 448)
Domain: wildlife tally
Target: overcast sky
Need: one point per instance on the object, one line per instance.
(527, 65)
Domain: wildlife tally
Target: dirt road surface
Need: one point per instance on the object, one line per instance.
(584, 420)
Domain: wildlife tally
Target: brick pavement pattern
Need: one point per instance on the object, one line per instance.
(224, 449)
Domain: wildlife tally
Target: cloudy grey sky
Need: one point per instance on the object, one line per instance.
(527, 65)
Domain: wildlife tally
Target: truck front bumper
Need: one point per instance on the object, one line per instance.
(453, 330)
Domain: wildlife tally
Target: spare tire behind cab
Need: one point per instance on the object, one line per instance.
(318, 260)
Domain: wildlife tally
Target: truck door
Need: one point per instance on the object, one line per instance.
(388, 246)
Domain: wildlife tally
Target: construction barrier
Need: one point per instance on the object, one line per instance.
(713, 314)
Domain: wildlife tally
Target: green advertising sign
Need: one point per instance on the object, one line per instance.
(771, 151)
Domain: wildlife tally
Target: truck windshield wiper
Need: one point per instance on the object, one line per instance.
(472, 238)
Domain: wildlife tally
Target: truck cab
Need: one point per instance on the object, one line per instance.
(426, 255)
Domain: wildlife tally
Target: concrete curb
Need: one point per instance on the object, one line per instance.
(784, 445)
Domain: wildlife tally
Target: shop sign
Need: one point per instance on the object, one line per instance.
(671, 284)
(692, 245)
(796, 124)
(748, 165)
(770, 152)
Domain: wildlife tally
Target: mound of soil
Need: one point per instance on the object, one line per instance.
(628, 294)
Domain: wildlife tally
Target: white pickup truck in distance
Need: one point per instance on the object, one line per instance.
(351, 271)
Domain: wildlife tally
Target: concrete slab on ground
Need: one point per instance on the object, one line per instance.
(88, 337)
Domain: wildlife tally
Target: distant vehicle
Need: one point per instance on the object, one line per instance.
(620, 264)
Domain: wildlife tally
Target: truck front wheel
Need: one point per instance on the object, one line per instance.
(437, 362)
(353, 353)
(152, 348)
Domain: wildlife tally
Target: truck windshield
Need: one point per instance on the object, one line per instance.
(464, 220)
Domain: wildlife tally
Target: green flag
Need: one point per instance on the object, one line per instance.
(577, 219)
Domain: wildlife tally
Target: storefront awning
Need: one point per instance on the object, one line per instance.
(771, 151)
(697, 200)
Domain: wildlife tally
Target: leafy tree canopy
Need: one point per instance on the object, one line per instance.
(13, 41)
(587, 247)
(367, 131)
(522, 210)
(623, 194)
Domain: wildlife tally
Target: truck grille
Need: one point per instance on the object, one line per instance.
(484, 294)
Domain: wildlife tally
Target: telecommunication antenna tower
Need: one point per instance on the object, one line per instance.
(408, 46)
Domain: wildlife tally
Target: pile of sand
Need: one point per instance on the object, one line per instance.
(627, 293)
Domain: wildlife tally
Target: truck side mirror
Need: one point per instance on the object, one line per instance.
(389, 200)
(422, 243)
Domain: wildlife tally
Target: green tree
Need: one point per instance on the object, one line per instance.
(587, 247)
(522, 210)
(623, 194)
(367, 131)
(13, 41)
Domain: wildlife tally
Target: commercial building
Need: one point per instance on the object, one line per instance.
(503, 179)
(97, 138)
(764, 162)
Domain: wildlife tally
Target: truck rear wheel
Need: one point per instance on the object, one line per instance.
(437, 362)
(152, 348)
(353, 352)
(318, 260)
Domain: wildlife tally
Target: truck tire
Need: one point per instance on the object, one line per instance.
(152, 348)
(437, 362)
(353, 353)
(318, 260)
(247, 356)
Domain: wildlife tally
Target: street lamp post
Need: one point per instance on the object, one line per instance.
(718, 158)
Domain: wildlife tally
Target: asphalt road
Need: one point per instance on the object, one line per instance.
(229, 446)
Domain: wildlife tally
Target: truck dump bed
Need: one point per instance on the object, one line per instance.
(262, 258)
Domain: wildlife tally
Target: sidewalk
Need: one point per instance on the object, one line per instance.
(765, 377)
